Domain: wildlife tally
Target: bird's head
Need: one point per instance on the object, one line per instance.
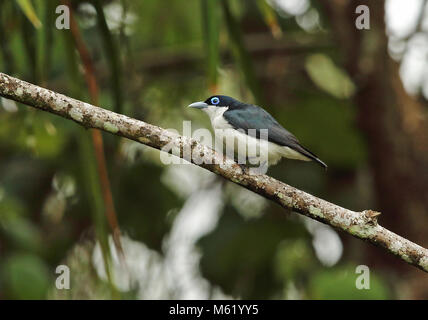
(214, 102)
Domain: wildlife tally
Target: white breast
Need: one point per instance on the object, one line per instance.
(216, 117)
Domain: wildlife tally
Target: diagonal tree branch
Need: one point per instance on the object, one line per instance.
(362, 225)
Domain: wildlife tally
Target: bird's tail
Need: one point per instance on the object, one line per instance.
(321, 163)
(310, 155)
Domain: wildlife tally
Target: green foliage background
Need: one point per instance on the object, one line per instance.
(151, 65)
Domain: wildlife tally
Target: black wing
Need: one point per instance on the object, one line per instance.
(253, 117)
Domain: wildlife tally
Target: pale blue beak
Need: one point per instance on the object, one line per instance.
(198, 105)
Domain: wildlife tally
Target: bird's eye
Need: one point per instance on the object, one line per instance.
(215, 101)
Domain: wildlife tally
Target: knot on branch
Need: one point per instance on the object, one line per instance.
(371, 216)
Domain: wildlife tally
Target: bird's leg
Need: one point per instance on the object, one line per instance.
(244, 168)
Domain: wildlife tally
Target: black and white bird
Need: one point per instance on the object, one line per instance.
(228, 113)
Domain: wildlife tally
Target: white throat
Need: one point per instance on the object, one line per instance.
(216, 117)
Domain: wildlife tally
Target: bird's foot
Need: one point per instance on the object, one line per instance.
(245, 169)
(260, 170)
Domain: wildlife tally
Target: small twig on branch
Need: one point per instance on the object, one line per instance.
(362, 225)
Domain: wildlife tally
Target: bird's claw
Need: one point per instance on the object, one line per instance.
(245, 169)
(260, 170)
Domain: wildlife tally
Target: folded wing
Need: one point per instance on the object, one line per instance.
(253, 117)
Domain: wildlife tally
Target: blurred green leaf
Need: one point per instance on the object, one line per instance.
(28, 9)
(10, 206)
(269, 16)
(326, 75)
(26, 276)
(340, 283)
(46, 11)
(210, 23)
(294, 257)
(111, 50)
(23, 234)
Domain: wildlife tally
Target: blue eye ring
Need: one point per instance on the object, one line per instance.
(215, 101)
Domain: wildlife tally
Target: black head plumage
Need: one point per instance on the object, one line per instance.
(223, 101)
